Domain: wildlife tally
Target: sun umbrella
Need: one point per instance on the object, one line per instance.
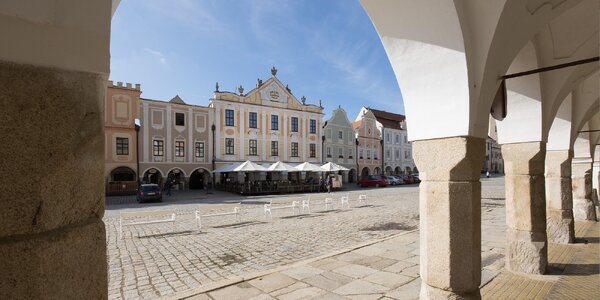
(332, 167)
(281, 167)
(249, 166)
(308, 167)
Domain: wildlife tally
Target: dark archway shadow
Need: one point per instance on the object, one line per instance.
(240, 224)
(169, 234)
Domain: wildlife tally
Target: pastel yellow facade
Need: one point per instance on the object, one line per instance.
(267, 124)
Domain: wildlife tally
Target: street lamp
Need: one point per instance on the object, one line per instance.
(382, 156)
(356, 155)
(138, 125)
(322, 149)
(214, 157)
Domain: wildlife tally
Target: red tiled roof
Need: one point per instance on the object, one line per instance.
(356, 124)
(388, 119)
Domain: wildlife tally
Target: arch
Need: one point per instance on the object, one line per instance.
(176, 168)
(365, 172)
(200, 178)
(177, 177)
(407, 170)
(351, 175)
(397, 171)
(152, 175)
(388, 170)
(122, 173)
(415, 170)
(377, 171)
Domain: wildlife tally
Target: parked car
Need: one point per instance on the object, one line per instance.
(407, 179)
(416, 178)
(394, 180)
(149, 192)
(373, 180)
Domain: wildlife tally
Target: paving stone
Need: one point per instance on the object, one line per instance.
(296, 286)
(395, 254)
(235, 292)
(200, 297)
(302, 272)
(272, 282)
(350, 257)
(328, 281)
(333, 265)
(365, 297)
(303, 293)
(370, 250)
(387, 279)
(408, 291)
(398, 267)
(355, 271)
(411, 271)
(360, 287)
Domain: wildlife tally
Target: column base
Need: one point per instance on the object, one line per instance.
(584, 209)
(560, 226)
(526, 251)
(429, 292)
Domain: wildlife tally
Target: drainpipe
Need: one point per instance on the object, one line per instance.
(322, 149)
(356, 157)
(137, 150)
(382, 155)
(212, 175)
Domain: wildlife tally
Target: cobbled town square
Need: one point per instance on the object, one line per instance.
(300, 149)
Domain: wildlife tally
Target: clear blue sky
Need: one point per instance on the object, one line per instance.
(323, 49)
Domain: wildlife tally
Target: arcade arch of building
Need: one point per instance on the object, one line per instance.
(548, 137)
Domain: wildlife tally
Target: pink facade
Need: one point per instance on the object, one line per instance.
(369, 144)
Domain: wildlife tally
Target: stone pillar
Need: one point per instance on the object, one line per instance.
(52, 237)
(526, 245)
(450, 216)
(583, 206)
(559, 197)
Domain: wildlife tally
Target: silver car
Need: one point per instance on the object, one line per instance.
(394, 180)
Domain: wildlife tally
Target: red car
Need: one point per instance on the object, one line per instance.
(407, 179)
(373, 180)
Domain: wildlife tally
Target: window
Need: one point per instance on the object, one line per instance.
(158, 148)
(312, 150)
(274, 148)
(328, 152)
(252, 120)
(313, 126)
(122, 146)
(252, 148)
(180, 119)
(405, 154)
(388, 153)
(294, 124)
(340, 135)
(294, 149)
(229, 119)
(368, 154)
(397, 139)
(397, 154)
(350, 153)
(405, 140)
(375, 154)
(229, 146)
(179, 148)
(199, 149)
(360, 154)
(387, 137)
(340, 153)
(274, 122)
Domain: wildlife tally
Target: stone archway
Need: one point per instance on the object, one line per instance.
(415, 170)
(407, 170)
(153, 175)
(178, 178)
(377, 171)
(397, 171)
(199, 179)
(365, 172)
(351, 175)
(389, 170)
(122, 174)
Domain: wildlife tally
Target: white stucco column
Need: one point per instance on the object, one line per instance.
(583, 206)
(560, 226)
(526, 245)
(450, 216)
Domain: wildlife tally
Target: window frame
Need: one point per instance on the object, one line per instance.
(199, 150)
(253, 147)
(179, 148)
(312, 150)
(313, 126)
(294, 124)
(177, 119)
(252, 122)
(229, 147)
(275, 118)
(294, 149)
(158, 148)
(122, 145)
(229, 119)
(275, 150)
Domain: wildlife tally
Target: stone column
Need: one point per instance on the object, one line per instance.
(526, 245)
(559, 197)
(583, 206)
(52, 237)
(450, 216)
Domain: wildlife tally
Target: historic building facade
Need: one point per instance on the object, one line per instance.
(266, 125)
(176, 143)
(339, 143)
(369, 143)
(120, 110)
(397, 150)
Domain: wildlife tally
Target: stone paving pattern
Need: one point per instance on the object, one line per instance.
(159, 263)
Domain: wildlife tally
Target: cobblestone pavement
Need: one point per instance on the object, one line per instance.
(153, 262)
